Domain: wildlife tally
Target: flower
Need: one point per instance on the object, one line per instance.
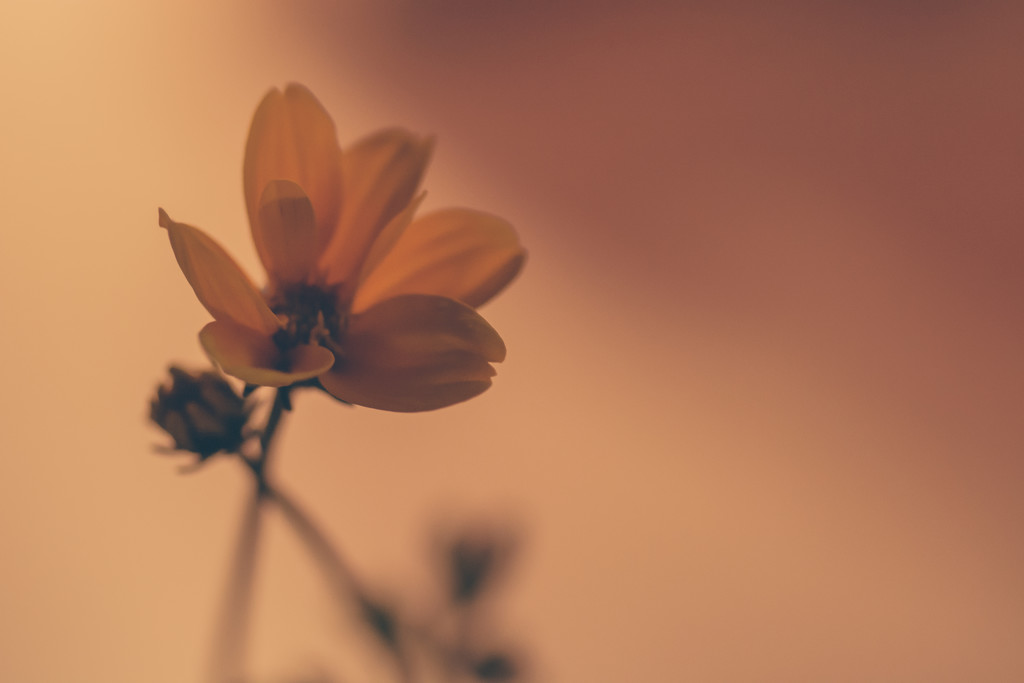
(201, 412)
(376, 305)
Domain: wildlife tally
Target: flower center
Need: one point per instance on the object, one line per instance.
(310, 316)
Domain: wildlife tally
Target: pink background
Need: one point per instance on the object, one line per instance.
(761, 418)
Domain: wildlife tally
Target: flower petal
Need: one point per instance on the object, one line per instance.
(456, 253)
(379, 249)
(293, 138)
(414, 353)
(410, 391)
(380, 175)
(406, 329)
(255, 358)
(220, 285)
(288, 231)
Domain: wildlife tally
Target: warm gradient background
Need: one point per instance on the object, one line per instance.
(761, 418)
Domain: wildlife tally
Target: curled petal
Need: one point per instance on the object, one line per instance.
(288, 231)
(380, 175)
(220, 285)
(293, 138)
(255, 359)
(457, 253)
(414, 353)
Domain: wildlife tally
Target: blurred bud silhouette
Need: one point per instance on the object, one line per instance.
(201, 411)
(496, 667)
(475, 558)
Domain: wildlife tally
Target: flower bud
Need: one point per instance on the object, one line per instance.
(201, 411)
(474, 558)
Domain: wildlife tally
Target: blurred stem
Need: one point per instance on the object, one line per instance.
(347, 592)
(342, 580)
(340, 577)
(229, 639)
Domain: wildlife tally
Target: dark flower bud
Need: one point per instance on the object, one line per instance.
(201, 411)
(475, 557)
(496, 667)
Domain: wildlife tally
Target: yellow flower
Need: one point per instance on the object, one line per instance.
(377, 305)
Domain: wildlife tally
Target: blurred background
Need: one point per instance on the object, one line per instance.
(761, 418)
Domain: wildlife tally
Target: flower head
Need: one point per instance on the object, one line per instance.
(374, 303)
(201, 412)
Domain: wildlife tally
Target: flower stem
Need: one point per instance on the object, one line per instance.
(341, 579)
(228, 654)
(230, 639)
(259, 465)
(348, 593)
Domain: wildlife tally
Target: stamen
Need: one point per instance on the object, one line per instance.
(310, 316)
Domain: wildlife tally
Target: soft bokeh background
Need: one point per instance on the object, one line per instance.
(762, 414)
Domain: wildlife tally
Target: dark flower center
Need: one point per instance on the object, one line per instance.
(310, 315)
